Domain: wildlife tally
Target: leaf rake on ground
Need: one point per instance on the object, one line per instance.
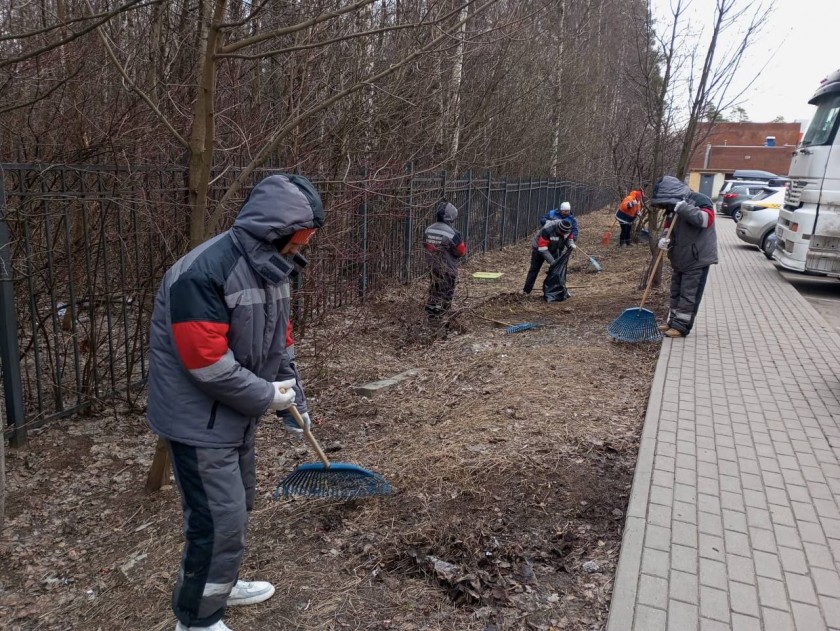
(638, 324)
(339, 480)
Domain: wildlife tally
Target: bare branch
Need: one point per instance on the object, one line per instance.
(105, 17)
(271, 145)
(335, 40)
(261, 37)
(65, 24)
(134, 87)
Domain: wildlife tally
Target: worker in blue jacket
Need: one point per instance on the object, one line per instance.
(564, 212)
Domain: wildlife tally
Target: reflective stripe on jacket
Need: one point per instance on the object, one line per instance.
(443, 247)
(220, 322)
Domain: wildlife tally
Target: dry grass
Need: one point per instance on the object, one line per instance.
(512, 456)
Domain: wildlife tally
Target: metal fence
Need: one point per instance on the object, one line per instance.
(83, 249)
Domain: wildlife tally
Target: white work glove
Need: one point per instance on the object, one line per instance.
(681, 206)
(291, 426)
(664, 244)
(284, 394)
(572, 245)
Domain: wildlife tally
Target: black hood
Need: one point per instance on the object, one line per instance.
(669, 191)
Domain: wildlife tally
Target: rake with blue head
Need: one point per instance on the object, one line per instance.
(338, 480)
(638, 324)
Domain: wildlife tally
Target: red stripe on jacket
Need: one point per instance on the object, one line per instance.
(542, 242)
(711, 214)
(200, 344)
(461, 249)
(290, 341)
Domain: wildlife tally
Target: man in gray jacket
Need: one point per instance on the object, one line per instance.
(691, 248)
(218, 362)
(443, 248)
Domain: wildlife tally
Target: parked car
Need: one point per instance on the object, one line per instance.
(753, 174)
(730, 203)
(759, 215)
(728, 185)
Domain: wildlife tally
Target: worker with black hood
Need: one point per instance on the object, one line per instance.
(691, 248)
(219, 360)
(443, 247)
(550, 243)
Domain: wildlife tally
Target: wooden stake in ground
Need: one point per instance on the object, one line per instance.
(159, 472)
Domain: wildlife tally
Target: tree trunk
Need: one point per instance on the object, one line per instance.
(701, 97)
(200, 166)
(202, 133)
(457, 76)
(558, 93)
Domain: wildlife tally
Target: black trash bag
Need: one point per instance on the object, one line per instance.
(554, 285)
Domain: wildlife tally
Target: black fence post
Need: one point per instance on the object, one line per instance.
(528, 217)
(487, 212)
(363, 212)
(518, 206)
(407, 225)
(467, 209)
(9, 349)
(504, 216)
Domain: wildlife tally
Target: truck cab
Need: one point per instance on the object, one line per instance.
(808, 230)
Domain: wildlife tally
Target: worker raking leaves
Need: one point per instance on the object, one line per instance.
(627, 213)
(691, 248)
(220, 359)
(443, 247)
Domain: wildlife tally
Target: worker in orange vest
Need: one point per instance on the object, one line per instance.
(628, 210)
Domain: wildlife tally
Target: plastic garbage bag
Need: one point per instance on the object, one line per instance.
(554, 285)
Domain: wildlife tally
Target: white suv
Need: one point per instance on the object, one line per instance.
(758, 218)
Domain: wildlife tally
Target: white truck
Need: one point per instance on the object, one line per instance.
(808, 230)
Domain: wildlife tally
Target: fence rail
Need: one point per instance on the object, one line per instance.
(83, 249)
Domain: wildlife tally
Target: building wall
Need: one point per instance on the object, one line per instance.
(773, 159)
(751, 134)
(694, 182)
(733, 142)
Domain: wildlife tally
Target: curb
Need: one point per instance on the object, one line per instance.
(626, 584)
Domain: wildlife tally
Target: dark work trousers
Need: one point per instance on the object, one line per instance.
(441, 291)
(537, 261)
(217, 493)
(686, 293)
(624, 237)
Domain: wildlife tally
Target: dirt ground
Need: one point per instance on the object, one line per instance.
(511, 455)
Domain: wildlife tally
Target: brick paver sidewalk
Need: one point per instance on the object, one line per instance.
(733, 521)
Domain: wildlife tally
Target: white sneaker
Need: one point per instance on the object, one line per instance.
(249, 593)
(219, 626)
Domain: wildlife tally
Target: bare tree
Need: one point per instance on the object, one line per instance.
(223, 88)
(712, 87)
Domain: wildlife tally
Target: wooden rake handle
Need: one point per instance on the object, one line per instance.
(308, 436)
(656, 264)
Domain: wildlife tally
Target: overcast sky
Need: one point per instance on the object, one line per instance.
(800, 41)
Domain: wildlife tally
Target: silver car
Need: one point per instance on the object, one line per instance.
(758, 219)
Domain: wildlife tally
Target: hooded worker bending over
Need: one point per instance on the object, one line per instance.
(627, 213)
(443, 247)
(551, 242)
(691, 248)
